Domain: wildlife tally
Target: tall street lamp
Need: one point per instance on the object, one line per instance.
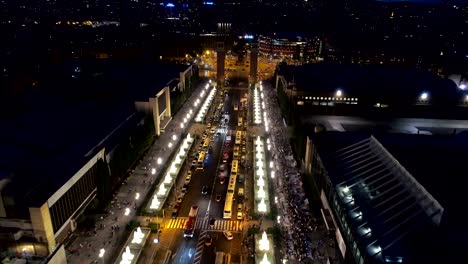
(101, 254)
(155, 242)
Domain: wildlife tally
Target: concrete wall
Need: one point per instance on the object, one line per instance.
(42, 225)
(59, 256)
(59, 193)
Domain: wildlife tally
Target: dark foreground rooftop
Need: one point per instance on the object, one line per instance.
(46, 131)
(436, 162)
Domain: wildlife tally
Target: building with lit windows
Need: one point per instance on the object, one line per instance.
(391, 196)
(370, 90)
(294, 48)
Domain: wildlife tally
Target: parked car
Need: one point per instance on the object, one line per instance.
(175, 212)
(222, 180)
(218, 197)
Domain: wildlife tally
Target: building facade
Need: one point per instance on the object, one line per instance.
(375, 203)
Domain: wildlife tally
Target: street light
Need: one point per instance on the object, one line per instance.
(338, 93)
(127, 211)
(155, 242)
(174, 137)
(159, 161)
(424, 96)
(137, 196)
(101, 254)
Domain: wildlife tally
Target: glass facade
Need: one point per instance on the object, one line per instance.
(73, 198)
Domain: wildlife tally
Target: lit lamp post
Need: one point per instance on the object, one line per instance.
(155, 242)
(101, 254)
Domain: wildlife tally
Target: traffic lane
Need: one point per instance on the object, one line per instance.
(224, 245)
(184, 247)
(198, 180)
(209, 254)
(193, 195)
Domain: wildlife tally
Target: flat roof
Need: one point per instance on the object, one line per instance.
(397, 218)
(377, 82)
(45, 136)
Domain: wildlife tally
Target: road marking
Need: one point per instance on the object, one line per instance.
(200, 246)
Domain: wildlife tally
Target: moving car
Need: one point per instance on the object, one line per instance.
(222, 180)
(239, 215)
(222, 174)
(218, 197)
(228, 235)
(204, 190)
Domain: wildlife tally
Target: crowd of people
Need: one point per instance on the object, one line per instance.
(296, 221)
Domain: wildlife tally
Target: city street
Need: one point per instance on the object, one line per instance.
(193, 250)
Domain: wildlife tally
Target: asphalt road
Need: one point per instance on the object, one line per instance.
(185, 249)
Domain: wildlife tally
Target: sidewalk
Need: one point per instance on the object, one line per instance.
(110, 228)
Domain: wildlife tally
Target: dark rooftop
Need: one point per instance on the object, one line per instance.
(379, 83)
(436, 162)
(46, 131)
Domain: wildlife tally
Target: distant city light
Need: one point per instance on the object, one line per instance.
(339, 93)
(208, 3)
(248, 37)
(462, 86)
(170, 5)
(424, 96)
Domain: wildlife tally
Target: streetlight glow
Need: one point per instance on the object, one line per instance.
(159, 161)
(127, 211)
(424, 96)
(101, 252)
(339, 93)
